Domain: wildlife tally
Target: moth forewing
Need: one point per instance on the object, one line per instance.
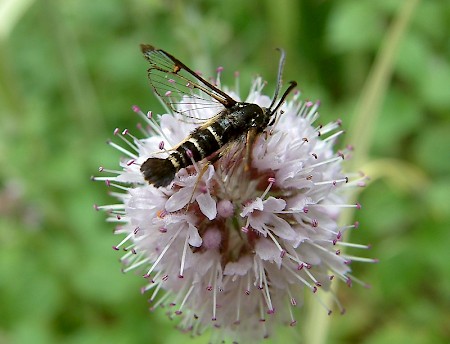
(176, 84)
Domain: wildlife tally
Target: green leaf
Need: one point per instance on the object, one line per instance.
(431, 148)
(354, 26)
(434, 87)
(399, 116)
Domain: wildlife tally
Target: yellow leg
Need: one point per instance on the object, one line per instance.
(251, 138)
(200, 175)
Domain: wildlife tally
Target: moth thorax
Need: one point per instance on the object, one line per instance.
(263, 119)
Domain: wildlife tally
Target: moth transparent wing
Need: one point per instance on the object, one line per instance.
(183, 90)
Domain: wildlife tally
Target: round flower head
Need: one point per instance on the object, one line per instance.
(233, 244)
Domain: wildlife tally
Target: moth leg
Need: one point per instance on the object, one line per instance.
(250, 141)
(199, 177)
(209, 161)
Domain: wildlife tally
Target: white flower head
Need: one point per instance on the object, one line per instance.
(229, 247)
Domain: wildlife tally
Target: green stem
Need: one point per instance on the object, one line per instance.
(366, 113)
(360, 135)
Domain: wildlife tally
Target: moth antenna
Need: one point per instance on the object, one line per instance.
(292, 85)
(280, 73)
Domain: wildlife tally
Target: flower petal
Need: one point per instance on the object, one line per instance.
(267, 250)
(281, 228)
(257, 204)
(241, 267)
(273, 204)
(179, 199)
(194, 238)
(207, 205)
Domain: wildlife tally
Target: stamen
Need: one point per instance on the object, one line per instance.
(325, 129)
(324, 162)
(194, 163)
(352, 278)
(238, 304)
(123, 138)
(214, 318)
(135, 265)
(329, 311)
(292, 300)
(161, 300)
(291, 303)
(349, 244)
(219, 71)
(145, 133)
(275, 241)
(121, 187)
(107, 170)
(332, 182)
(136, 141)
(102, 179)
(236, 83)
(318, 205)
(301, 279)
(295, 258)
(317, 283)
(271, 181)
(332, 137)
(148, 287)
(309, 111)
(262, 318)
(148, 118)
(110, 207)
(339, 305)
(361, 259)
(163, 252)
(247, 291)
(266, 294)
(211, 276)
(179, 311)
(121, 149)
(183, 256)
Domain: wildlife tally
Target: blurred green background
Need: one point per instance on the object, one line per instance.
(69, 73)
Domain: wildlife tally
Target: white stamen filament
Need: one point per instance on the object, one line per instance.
(183, 256)
(164, 251)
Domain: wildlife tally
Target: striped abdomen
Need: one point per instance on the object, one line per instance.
(204, 141)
